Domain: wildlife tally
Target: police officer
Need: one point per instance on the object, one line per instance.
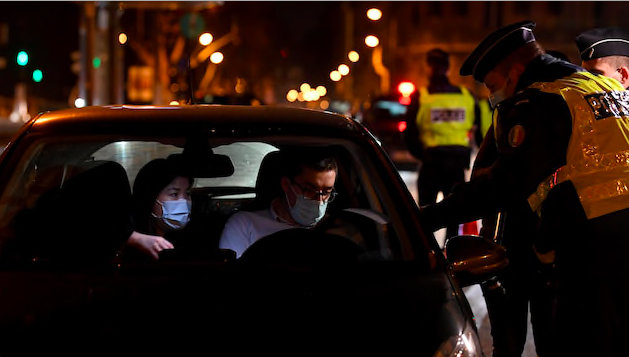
(562, 146)
(440, 118)
(606, 51)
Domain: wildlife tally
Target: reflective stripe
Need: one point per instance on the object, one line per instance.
(598, 153)
(445, 118)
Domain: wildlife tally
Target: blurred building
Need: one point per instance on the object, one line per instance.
(409, 29)
(149, 51)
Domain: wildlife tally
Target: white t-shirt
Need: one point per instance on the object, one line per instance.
(244, 228)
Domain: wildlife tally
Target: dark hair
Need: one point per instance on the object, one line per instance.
(438, 59)
(151, 179)
(316, 158)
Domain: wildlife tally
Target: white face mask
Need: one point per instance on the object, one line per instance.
(175, 214)
(307, 212)
(499, 95)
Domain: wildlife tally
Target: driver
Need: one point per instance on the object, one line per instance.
(307, 187)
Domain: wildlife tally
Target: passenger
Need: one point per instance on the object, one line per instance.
(162, 214)
(307, 187)
(161, 205)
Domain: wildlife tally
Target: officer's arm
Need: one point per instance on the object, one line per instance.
(532, 142)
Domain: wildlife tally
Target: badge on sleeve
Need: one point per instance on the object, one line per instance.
(516, 136)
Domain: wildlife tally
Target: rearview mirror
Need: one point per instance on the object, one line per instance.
(475, 259)
(201, 161)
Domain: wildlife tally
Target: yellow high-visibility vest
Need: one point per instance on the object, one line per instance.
(598, 152)
(445, 118)
(485, 116)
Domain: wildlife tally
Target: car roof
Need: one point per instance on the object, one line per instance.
(202, 116)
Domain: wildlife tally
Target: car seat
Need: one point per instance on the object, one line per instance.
(86, 220)
(268, 180)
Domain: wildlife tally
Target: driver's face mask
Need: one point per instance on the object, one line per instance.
(175, 214)
(307, 212)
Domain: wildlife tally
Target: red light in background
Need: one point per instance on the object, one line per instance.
(406, 88)
(401, 126)
(405, 100)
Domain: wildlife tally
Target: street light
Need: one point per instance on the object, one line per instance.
(372, 41)
(343, 69)
(374, 14)
(206, 38)
(216, 57)
(353, 56)
(335, 76)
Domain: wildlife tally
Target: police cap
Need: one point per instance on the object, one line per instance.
(603, 42)
(496, 47)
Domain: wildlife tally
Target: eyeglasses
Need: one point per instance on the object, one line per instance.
(314, 195)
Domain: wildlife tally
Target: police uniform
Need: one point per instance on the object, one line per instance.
(560, 146)
(440, 119)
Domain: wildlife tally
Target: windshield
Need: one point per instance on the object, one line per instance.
(47, 167)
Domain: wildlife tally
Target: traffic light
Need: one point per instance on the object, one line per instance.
(38, 75)
(22, 58)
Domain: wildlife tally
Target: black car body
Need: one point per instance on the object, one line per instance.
(65, 289)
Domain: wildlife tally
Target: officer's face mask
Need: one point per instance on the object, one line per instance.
(501, 94)
(497, 97)
(307, 212)
(175, 214)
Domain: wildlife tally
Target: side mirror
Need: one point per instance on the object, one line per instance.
(475, 259)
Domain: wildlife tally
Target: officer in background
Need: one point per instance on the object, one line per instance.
(606, 51)
(562, 146)
(440, 119)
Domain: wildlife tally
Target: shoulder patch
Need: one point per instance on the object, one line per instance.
(516, 135)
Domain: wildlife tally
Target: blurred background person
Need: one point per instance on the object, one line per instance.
(440, 120)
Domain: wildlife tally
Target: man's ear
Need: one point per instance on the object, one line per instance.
(285, 183)
(624, 76)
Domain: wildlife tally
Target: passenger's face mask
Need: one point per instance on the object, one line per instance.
(175, 214)
(307, 212)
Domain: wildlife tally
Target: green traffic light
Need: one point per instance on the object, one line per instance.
(96, 62)
(38, 75)
(22, 58)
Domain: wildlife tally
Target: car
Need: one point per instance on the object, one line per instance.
(386, 119)
(65, 180)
